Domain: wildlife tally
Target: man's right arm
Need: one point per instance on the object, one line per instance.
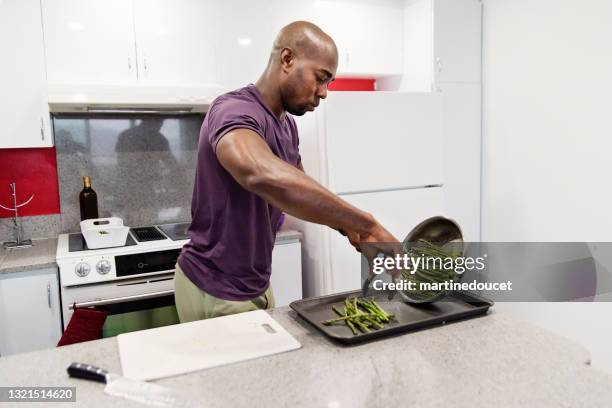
(245, 155)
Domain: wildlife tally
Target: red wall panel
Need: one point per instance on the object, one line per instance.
(352, 84)
(35, 172)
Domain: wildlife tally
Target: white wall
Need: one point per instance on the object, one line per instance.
(548, 141)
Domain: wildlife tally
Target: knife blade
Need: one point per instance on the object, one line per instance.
(118, 386)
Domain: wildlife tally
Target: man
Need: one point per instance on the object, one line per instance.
(249, 171)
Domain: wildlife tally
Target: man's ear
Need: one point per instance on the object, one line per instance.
(287, 59)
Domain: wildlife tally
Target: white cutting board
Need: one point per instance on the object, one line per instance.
(183, 348)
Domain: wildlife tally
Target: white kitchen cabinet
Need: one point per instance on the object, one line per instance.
(173, 39)
(441, 44)
(286, 279)
(399, 211)
(128, 42)
(242, 40)
(457, 40)
(24, 113)
(89, 41)
(200, 42)
(368, 35)
(29, 311)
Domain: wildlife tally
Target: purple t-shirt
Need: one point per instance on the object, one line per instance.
(232, 231)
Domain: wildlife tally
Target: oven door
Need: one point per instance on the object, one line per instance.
(134, 304)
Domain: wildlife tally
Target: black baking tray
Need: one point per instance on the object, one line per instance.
(408, 317)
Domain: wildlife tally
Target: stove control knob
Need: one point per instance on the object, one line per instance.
(82, 269)
(103, 267)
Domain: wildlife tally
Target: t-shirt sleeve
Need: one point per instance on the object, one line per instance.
(227, 117)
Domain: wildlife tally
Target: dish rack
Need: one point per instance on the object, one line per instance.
(104, 232)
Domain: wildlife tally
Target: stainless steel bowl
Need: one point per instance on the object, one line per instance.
(438, 230)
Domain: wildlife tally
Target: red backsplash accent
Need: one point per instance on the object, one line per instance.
(352, 84)
(35, 172)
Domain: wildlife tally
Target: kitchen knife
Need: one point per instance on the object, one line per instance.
(116, 385)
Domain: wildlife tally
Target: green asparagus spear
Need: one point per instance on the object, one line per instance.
(360, 314)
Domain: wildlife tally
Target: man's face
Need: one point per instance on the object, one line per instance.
(305, 83)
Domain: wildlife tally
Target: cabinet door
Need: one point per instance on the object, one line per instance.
(368, 35)
(398, 211)
(175, 42)
(29, 311)
(89, 41)
(24, 113)
(457, 40)
(242, 41)
(286, 279)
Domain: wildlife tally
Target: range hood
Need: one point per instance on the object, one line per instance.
(80, 98)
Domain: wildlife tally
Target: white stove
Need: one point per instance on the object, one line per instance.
(135, 276)
(148, 250)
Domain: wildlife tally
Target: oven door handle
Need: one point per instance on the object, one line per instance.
(123, 299)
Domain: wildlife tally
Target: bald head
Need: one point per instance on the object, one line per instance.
(305, 39)
(302, 63)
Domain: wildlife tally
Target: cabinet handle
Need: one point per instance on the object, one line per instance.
(42, 129)
(129, 64)
(49, 294)
(145, 64)
(439, 64)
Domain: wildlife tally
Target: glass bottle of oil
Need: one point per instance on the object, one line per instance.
(88, 200)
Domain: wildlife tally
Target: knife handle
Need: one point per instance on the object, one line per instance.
(87, 372)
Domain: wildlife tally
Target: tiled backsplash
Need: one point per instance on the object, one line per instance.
(142, 169)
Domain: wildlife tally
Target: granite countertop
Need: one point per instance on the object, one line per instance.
(483, 362)
(40, 255)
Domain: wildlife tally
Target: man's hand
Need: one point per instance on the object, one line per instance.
(375, 242)
(378, 234)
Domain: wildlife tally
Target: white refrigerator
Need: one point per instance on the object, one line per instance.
(380, 151)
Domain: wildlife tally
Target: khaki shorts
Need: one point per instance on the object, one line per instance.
(192, 303)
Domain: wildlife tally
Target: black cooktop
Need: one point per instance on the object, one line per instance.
(144, 234)
(77, 243)
(176, 232)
